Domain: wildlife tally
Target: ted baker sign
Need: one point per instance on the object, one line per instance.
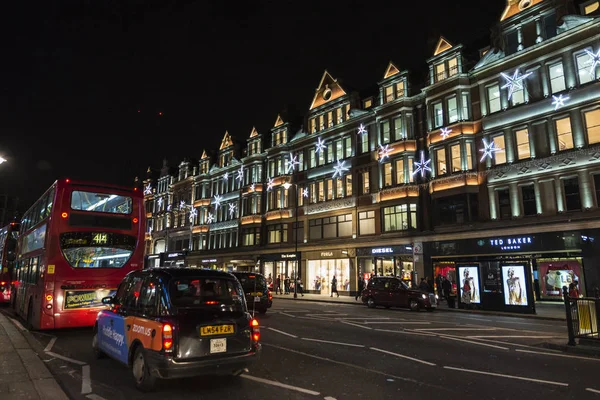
(511, 243)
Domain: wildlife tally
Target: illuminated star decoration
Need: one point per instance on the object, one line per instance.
(252, 187)
(595, 61)
(159, 202)
(445, 132)
(384, 152)
(488, 149)
(209, 218)
(217, 202)
(515, 82)
(361, 130)
(340, 168)
(148, 190)
(305, 192)
(422, 166)
(231, 209)
(240, 174)
(226, 176)
(193, 213)
(320, 145)
(169, 207)
(270, 184)
(559, 101)
(291, 163)
(182, 204)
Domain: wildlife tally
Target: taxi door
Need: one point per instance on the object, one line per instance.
(144, 327)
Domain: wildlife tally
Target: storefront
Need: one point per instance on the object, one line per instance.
(152, 261)
(322, 266)
(238, 264)
(511, 273)
(282, 265)
(386, 261)
(209, 263)
(175, 259)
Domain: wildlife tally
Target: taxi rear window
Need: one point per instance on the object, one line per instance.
(252, 283)
(193, 292)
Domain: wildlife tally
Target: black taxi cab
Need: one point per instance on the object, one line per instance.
(258, 295)
(169, 323)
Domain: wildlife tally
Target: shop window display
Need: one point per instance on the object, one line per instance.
(321, 272)
(555, 274)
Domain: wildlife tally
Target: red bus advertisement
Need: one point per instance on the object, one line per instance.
(77, 242)
(8, 255)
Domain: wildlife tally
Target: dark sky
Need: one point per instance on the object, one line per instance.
(73, 76)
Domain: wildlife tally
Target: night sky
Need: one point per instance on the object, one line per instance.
(83, 82)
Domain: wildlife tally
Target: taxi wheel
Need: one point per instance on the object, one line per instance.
(97, 352)
(371, 302)
(144, 381)
(414, 305)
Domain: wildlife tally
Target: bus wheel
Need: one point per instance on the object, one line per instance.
(144, 381)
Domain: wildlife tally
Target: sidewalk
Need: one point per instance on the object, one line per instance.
(23, 375)
(546, 311)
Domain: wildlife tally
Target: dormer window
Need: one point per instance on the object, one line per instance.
(368, 103)
(279, 137)
(399, 89)
(590, 7)
(389, 93)
(446, 69)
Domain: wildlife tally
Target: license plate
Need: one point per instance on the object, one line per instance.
(218, 345)
(211, 330)
(257, 299)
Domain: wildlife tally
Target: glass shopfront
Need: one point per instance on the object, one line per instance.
(386, 261)
(282, 266)
(322, 266)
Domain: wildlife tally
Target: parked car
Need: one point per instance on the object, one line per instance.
(258, 295)
(389, 292)
(169, 323)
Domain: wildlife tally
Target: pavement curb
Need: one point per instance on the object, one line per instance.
(45, 384)
(581, 350)
(500, 314)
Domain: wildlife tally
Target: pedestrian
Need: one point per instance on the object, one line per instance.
(277, 285)
(573, 291)
(334, 287)
(447, 289)
(300, 288)
(424, 286)
(361, 286)
(286, 284)
(439, 281)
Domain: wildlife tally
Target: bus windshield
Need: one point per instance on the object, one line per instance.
(100, 202)
(97, 250)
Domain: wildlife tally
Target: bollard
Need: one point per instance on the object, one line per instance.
(569, 316)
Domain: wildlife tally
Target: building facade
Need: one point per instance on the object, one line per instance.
(489, 174)
(8, 209)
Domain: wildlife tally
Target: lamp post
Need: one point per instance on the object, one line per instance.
(287, 185)
(2, 160)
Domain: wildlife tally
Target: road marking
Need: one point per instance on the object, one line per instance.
(281, 385)
(357, 325)
(93, 396)
(287, 315)
(326, 315)
(403, 356)
(512, 344)
(18, 324)
(396, 322)
(329, 341)
(528, 323)
(407, 332)
(364, 319)
(455, 329)
(514, 337)
(592, 390)
(329, 398)
(472, 342)
(50, 344)
(520, 378)
(86, 380)
(282, 332)
(71, 360)
(557, 355)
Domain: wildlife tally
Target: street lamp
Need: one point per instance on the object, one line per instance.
(2, 160)
(288, 185)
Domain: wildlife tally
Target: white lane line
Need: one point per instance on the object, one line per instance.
(357, 325)
(557, 355)
(329, 341)
(472, 342)
(520, 378)
(592, 390)
(287, 315)
(281, 385)
(513, 344)
(455, 329)
(514, 337)
(396, 322)
(18, 324)
(403, 356)
(50, 344)
(86, 380)
(477, 319)
(329, 398)
(283, 333)
(366, 319)
(527, 323)
(93, 396)
(71, 360)
(407, 332)
(326, 315)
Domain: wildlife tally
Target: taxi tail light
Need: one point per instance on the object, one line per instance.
(270, 295)
(167, 335)
(255, 330)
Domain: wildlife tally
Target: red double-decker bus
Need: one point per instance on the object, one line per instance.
(8, 254)
(77, 242)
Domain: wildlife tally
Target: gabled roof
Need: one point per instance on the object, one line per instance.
(204, 155)
(278, 121)
(226, 142)
(513, 7)
(442, 45)
(329, 89)
(391, 70)
(253, 133)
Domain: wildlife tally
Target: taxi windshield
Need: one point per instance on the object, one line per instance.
(196, 291)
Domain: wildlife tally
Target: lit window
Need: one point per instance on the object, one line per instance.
(398, 134)
(518, 96)
(564, 135)
(385, 132)
(440, 157)
(584, 64)
(438, 115)
(387, 174)
(557, 78)
(465, 106)
(523, 149)
(455, 153)
(440, 72)
(493, 93)
(411, 161)
(468, 147)
(399, 172)
(500, 155)
(591, 7)
(452, 110)
(592, 126)
(368, 103)
(389, 93)
(366, 186)
(452, 67)
(399, 89)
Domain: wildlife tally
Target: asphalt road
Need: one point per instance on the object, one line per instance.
(338, 351)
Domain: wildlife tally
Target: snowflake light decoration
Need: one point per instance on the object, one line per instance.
(422, 165)
(559, 101)
(515, 82)
(209, 218)
(320, 145)
(182, 204)
(148, 190)
(291, 163)
(384, 152)
(270, 184)
(595, 61)
(445, 132)
(159, 202)
(305, 192)
(240, 174)
(252, 187)
(232, 208)
(226, 176)
(193, 214)
(361, 130)
(217, 201)
(169, 207)
(488, 149)
(339, 169)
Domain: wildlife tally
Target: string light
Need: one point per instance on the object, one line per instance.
(595, 61)
(340, 168)
(240, 174)
(515, 82)
(384, 152)
(559, 101)
(209, 218)
(445, 132)
(270, 184)
(320, 145)
(193, 214)
(305, 192)
(148, 189)
(232, 208)
(422, 166)
(488, 149)
(291, 163)
(217, 201)
(361, 130)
